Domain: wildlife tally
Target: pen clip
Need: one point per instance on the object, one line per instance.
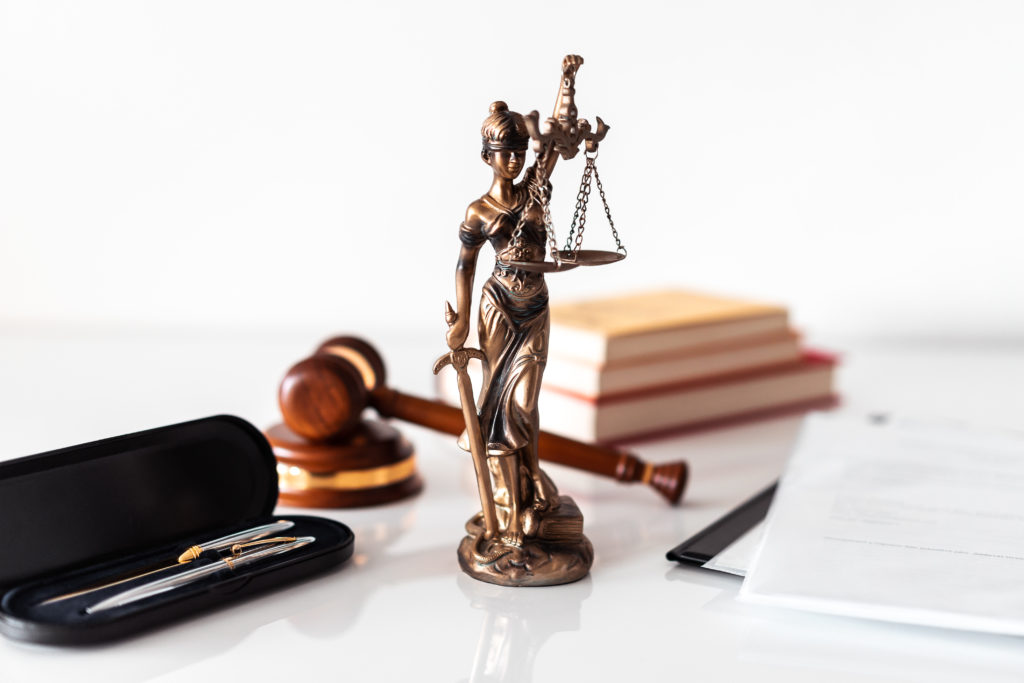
(237, 550)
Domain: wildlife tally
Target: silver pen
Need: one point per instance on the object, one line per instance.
(193, 553)
(167, 583)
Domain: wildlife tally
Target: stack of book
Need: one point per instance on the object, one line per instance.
(636, 366)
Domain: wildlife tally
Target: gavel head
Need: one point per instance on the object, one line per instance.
(322, 397)
(361, 355)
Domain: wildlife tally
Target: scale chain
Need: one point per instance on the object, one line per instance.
(608, 212)
(514, 250)
(582, 197)
(538, 193)
(544, 200)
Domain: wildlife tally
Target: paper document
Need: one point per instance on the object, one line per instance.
(736, 558)
(906, 521)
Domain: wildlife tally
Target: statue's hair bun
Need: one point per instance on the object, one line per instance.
(504, 129)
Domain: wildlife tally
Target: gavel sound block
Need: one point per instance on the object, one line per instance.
(329, 458)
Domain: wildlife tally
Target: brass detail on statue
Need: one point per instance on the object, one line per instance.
(526, 533)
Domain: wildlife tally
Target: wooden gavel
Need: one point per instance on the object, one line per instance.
(323, 396)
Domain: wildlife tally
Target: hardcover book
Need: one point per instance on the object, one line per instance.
(637, 325)
(654, 370)
(641, 414)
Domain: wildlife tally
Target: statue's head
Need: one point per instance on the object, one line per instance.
(505, 140)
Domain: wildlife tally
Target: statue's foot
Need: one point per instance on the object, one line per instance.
(513, 538)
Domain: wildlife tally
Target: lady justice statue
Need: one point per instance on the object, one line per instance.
(526, 533)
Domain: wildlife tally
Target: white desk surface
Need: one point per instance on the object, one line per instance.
(401, 610)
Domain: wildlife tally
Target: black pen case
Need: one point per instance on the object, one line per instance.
(105, 511)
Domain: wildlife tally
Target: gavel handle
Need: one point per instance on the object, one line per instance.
(668, 479)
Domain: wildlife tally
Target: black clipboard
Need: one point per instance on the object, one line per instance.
(703, 546)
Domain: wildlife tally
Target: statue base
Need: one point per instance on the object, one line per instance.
(556, 553)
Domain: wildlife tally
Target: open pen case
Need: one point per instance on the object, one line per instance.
(99, 513)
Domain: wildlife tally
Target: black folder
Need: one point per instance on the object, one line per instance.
(704, 545)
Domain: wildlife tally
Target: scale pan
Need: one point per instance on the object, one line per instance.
(541, 266)
(590, 257)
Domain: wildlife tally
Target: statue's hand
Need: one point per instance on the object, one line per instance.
(457, 334)
(570, 65)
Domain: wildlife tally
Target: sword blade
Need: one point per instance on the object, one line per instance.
(478, 450)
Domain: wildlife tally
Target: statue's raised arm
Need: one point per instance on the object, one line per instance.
(562, 134)
(565, 105)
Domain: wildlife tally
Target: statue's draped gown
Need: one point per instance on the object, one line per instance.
(513, 327)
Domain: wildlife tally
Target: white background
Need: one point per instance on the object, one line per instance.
(254, 165)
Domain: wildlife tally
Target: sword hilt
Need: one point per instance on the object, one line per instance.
(458, 358)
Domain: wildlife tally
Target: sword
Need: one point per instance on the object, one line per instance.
(459, 359)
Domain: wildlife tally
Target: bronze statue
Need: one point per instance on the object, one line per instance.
(526, 534)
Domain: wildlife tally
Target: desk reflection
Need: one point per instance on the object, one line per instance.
(517, 624)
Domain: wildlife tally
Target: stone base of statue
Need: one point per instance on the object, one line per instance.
(553, 550)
